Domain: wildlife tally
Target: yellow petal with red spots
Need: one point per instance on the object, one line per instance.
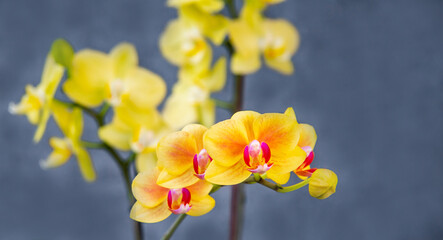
(225, 142)
(146, 190)
(158, 213)
(201, 205)
(231, 175)
(176, 152)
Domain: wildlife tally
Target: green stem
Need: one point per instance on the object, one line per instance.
(174, 227)
(231, 8)
(295, 186)
(280, 189)
(104, 110)
(223, 104)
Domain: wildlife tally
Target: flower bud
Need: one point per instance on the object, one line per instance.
(322, 183)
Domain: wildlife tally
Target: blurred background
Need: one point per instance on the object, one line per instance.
(369, 78)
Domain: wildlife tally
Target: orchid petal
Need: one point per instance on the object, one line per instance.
(231, 175)
(146, 190)
(225, 142)
(201, 205)
(145, 214)
(176, 151)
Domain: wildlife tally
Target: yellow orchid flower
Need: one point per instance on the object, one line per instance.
(323, 183)
(307, 141)
(214, 27)
(115, 77)
(190, 100)
(184, 44)
(156, 203)
(35, 104)
(182, 158)
(134, 129)
(250, 142)
(277, 40)
(71, 124)
(209, 6)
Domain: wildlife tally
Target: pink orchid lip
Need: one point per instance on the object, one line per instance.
(200, 163)
(261, 169)
(174, 195)
(253, 150)
(184, 208)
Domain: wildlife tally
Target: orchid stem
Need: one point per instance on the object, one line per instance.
(237, 192)
(174, 227)
(223, 104)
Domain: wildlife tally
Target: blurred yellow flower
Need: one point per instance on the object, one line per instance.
(250, 142)
(214, 27)
(156, 203)
(134, 129)
(323, 183)
(277, 40)
(71, 124)
(35, 104)
(184, 44)
(116, 78)
(190, 100)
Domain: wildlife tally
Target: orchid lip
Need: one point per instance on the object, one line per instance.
(184, 208)
(200, 176)
(200, 163)
(179, 200)
(257, 156)
(261, 169)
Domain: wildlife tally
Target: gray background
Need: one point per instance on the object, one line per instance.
(369, 77)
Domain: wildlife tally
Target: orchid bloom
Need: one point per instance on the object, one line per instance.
(185, 45)
(115, 78)
(250, 142)
(35, 104)
(134, 129)
(252, 36)
(323, 183)
(214, 27)
(190, 100)
(182, 157)
(155, 203)
(307, 141)
(71, 124)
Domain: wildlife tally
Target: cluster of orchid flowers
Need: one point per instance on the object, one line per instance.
(179, 162)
